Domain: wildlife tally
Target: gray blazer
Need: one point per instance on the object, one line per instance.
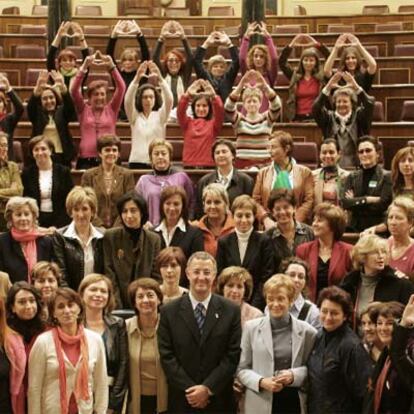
(256, 361)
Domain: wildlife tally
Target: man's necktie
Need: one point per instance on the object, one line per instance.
(200, 315)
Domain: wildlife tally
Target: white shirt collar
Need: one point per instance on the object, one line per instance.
(195, 302)
(162, 227)
(299, 302)
(71, 233)
(229, 176)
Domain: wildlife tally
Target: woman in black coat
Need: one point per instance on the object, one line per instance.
(98, 298)
(9, 120)
(247, 248)
(338, 366)
(174, 228)
(73, 244)
(388, 391)
(47, 182)
(372, 279)
(24, 244)
(50, 109)
(367, 192)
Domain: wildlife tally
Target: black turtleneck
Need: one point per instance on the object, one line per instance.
(133, 234)
(367, 174)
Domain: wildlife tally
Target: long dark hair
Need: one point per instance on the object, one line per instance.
(27, 329)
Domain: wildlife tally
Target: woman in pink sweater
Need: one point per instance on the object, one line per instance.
(201, 130)
(97, 116)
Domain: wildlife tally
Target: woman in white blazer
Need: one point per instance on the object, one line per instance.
(275, 349)
(67, 367)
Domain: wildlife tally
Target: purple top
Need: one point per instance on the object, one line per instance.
(151, 185)
(93, 125)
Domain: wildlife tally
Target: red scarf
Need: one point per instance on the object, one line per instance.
(28, 241)
(81, 390)
(379, 386)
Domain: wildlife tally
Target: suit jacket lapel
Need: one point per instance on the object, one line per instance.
(335, 257)
(265, 331)
(251, 246)
(213, 315)
(187, 313)
(233, 250)
(297, 334)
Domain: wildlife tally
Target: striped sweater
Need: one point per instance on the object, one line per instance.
(252, 144)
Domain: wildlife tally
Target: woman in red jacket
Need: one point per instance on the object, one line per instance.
(201, 130)
(329, 258)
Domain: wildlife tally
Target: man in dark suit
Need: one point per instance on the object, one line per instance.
(199, 343)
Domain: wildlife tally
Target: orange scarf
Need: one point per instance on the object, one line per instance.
(81, 383)
(29, 248)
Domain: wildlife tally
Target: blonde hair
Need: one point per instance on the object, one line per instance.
(80, 195)
(244, 201)
(251, 93)
(370, 243)
(95, 278)
(214, 60)
(218, 190)
(278, 281)
(405, 204)
(16, 203)
(129, 52)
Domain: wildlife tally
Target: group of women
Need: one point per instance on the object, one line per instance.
(80, 256)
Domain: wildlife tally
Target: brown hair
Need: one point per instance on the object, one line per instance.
(295, 260)
(40, 138)
(244, 201)
(392, 309)
(180, 56)
(334, 215)
(65, 53)
(285, 140)
(309, 52)
(264, 49)
(345, 53)
(239, 273)
(396, 177)
(338, 296)
(96, 84)
(108, 140)
(43, 267)
(71, 296)
(168, 255)
(143, 283)
(281, 194)
(95, 278)
(170, 191)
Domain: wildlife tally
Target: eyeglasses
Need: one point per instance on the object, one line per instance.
(4, 145)
(365, 150)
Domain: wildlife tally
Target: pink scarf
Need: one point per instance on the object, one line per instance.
(81, 390)
(28, 241)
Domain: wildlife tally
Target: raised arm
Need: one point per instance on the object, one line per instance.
(199, 68)
(327, 69)
(244, 46)
(54, 46)
(167, 96)
(16, 101)
(369, 59)
(131, 92)
(76, 86)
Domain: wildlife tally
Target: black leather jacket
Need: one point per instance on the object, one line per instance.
(116, 349)
(69, 257)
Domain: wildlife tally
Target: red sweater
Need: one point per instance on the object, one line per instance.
(199, 134)
(306, 92)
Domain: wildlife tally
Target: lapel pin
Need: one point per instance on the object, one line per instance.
(217, 315)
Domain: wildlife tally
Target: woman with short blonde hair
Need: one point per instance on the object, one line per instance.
(78, 246)
(372, 278)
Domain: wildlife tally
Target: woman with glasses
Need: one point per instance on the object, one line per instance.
(367, 192)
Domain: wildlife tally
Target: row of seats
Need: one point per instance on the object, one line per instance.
(96, 10)
(189, 30)
(300, 10)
